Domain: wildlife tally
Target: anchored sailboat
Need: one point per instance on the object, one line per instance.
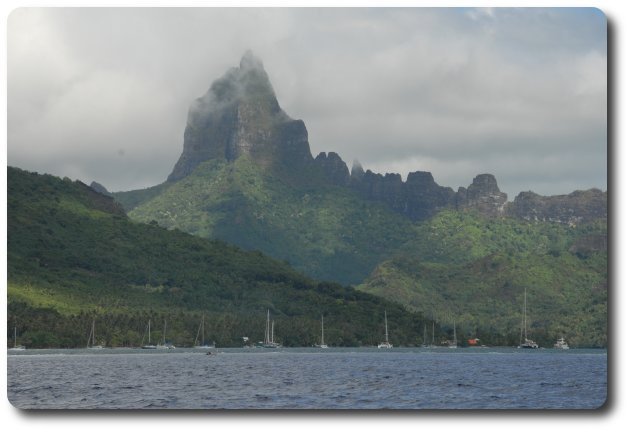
(269, 340)
(385, 344)
(16, 347)
(322, 344)
(453, 343)
(424, 338)
(91, 343)
(164, 345)
(527, 343)
(202, 328)
(433, 337)
(148, 346)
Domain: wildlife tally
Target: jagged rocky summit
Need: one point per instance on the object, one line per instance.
(420, 196)
(240, 116)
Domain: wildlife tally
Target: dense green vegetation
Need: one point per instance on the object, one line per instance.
(466, 269)
(246, 176)
(456, 267)
(134, 198)
(74, 257)
(326, 231)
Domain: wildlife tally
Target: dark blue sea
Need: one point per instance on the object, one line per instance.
(293, 378)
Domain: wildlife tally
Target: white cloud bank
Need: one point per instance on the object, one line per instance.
(102, 94)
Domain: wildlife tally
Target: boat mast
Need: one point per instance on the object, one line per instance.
(386, 335)
(525, 314)
(454, 335)
(164, 334)
(149, 332)
(424, 337)
(322, 329)
(93, 332)
(15, 336)
(90, 337)
(271, 331)
(524, 319)
(87, 345)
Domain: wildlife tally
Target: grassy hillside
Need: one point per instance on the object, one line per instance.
(326, 231)
(74, 256)
(466, 269)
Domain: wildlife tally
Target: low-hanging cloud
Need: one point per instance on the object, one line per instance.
(103, 94)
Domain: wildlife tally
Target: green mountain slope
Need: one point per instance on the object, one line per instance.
(473, 271)
(246, 176)
(324, 230)
(74, 256)
(458, 266)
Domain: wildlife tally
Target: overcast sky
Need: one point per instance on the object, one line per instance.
(103, 94)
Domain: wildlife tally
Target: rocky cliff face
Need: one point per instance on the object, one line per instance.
(100, 188)
(418, 198)
(424, 196)
(240, 115)
(574, 208)
(483, 195)
(334, 168)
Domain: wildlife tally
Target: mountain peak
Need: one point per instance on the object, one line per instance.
(484, 195)
(240, 115)
(249, 81)
(250, 61)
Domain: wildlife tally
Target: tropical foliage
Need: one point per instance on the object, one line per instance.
(74, 257)
(467, 269)
(456, 267)
(325, 231)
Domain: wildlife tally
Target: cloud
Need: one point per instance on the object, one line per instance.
(103, 94)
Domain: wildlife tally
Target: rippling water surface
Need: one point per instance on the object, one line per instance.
(309, 378)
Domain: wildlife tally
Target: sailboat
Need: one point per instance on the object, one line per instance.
(527, 343)
(164, 345)
(385, 344)
(91, 343)
(269, 341)
(16, 347)
(202, 328)
(148, 346)
(453, 343)
(323, 344)
(424, 338)
(433, 337)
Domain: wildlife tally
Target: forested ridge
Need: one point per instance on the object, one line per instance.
(75, 257)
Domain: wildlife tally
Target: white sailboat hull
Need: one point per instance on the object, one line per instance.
(17, 348)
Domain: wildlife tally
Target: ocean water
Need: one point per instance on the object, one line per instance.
(474, 378)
